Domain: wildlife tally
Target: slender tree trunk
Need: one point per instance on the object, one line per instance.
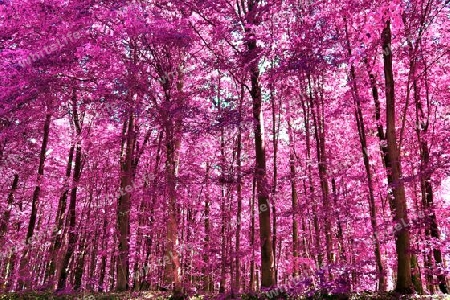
(382, 282)
(431, 229)
(24, 266)
(381, 273)
(275, 132)
(252, 236)
(207, 278)
(149, 239)
(172, 127)
(8, 263)
(223, 174)
(172, 269)
(79, 265)
(80, 258)
(57, 237)
(318, 251)
(381, 134)
(402, 239)
(37, 190)
(340, 232)
(267, 259)
(124, 206)
(71, 220)
(93, 257)
(101, 278)
(4, 222)
(71, 216)
(112, 268)
(239, 196)
(294, 197)
(319, 134)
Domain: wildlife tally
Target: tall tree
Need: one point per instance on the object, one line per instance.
(402, 238)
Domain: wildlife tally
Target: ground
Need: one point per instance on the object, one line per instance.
(165, 295)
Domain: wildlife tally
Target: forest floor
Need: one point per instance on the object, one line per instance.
(165, 295)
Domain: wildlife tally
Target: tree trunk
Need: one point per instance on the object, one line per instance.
(124, 206)
(79, 265)
(71, 216)
(402, 239)
(267, 259)
(318, 251)
(104, 241)
(207, 278)
(71, 220)
(57, 237)
(239, 196)
(426, 187)
(37, 191)
(24, 266)
(275, 132)
(319, 134)
(80, 260)
(7, 213)
(381, 273)
(223, 174)
(112, 268)
(252, 236)
(294, 196)
(8, 262)
(172, 269)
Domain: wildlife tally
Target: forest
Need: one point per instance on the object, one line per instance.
(226, 149)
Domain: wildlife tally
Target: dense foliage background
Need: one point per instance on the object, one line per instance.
(225, 146)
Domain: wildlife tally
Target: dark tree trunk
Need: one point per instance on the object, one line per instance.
(57, 236)
(124, 206)
(294, 197)
(316, 225)
(7, 213)
(24, 261)
(207, 278)
(431, 230)
(402, 239)
(316, 104)
(37, 190)
(267, 259)
(239, 196)
(71, 220)
(381, 273)
(252, 236)
(71, 216)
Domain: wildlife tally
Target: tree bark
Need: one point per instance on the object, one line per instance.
(207, 278)
(239, 196)
(267, 259)
(71, 216)
(275, 132)
(124, 206)
(7, 213)
(23, 266)
(252, 236)
(402, 238)
(172, 269)
(223, 174)
(57, 237)
(37, 191)
(294, 197)
(431, 230)
(319, 134)
(101, 278)
(381, 273)
(316, 225)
